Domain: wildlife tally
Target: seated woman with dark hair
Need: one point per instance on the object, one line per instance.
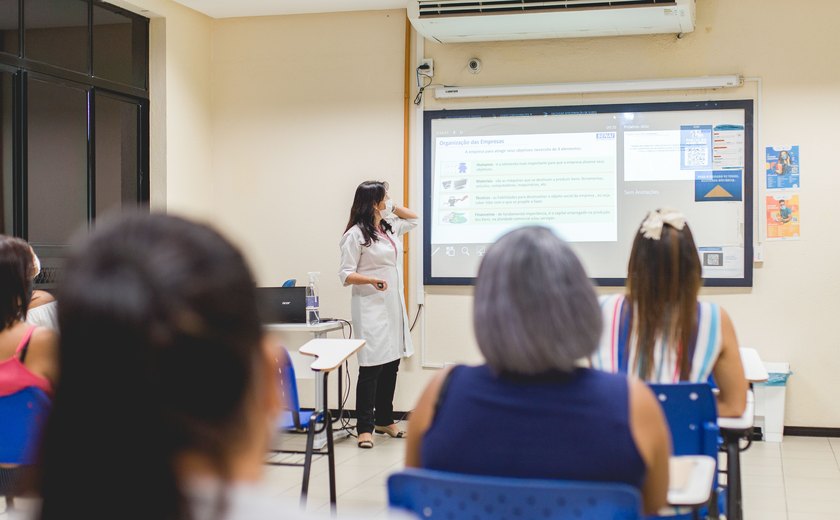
(531, 411)
(28, 354)
(659, 331)
(167, 398)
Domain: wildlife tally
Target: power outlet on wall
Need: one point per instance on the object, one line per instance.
(426, 67)
(758, 254)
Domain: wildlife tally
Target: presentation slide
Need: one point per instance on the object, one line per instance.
(590, 174)
(566, 180)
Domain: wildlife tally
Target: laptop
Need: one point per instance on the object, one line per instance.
(281, 304)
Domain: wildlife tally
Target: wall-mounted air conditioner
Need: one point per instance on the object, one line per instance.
(450, 21)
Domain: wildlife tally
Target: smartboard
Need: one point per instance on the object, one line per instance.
(591, 173)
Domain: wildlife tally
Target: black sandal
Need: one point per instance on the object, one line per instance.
(365, 444)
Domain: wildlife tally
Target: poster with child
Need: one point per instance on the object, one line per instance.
(782, 217)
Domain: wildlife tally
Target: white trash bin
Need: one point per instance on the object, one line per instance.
(770, 400)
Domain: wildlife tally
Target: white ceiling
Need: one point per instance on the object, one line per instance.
(233, 8)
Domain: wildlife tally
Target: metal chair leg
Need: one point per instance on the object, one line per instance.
(330, 449)
(307, 458)
(714, 498)
(733, 477)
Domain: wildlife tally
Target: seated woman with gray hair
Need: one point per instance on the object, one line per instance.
(532, 410)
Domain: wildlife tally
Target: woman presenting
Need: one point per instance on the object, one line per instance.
(371, 259)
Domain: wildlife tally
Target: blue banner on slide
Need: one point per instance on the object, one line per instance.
(695, 147)
(718, 185)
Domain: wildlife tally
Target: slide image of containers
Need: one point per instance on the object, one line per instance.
(454, 184)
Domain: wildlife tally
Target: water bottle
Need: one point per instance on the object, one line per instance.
(312, 317)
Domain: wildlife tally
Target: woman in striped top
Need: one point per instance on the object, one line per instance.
(658, 330)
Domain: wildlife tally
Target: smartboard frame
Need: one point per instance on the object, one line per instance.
(748, 173)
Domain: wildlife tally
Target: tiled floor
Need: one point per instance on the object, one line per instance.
(798, 479)
(360, 477)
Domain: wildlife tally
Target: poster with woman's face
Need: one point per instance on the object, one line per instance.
(781, 164)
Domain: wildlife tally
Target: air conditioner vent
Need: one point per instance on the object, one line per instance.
(436, 8)
(456, 21)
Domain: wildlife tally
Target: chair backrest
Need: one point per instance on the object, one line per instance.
(287, 385)
(437, 494)
(691, 411)
(23, 414)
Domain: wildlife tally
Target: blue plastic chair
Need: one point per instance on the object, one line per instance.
(691, 412)
(451, 496)
(293, 418)
(23, 414)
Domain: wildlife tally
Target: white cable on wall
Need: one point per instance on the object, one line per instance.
(759, 221)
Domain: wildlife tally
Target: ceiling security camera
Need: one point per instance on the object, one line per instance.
(474, 64)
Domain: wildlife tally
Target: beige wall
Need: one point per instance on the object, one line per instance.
(304, 109)
(286, 115)
(180, 112)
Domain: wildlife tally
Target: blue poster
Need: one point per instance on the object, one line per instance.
(782, 166)
(695, 147)
(718, 186)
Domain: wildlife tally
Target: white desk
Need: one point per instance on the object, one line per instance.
(745, 422)
(318, 331)
(330, 354)
(691, 478)
(754, 369)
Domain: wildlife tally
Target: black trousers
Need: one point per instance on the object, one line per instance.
(375, 396)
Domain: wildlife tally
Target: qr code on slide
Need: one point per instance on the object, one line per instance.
(696, 155)
(713, 259)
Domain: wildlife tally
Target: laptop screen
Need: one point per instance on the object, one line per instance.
(281, 304)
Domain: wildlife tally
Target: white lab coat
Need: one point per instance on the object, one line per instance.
(44, 316)
(379, 317)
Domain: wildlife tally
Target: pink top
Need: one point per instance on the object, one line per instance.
(14, 376)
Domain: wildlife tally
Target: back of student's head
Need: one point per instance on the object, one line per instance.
(663, 280)
(160, 352)
(535, 309)
(15, 280)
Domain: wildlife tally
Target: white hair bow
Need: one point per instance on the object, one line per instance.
(652, 226)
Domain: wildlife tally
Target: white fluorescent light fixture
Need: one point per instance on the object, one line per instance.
(702, 82)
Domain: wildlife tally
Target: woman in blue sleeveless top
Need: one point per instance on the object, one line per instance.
(532, 411)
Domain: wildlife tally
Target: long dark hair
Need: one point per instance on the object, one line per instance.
(663, 280)
(160, 349)
(368, 195)
(15, 280)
